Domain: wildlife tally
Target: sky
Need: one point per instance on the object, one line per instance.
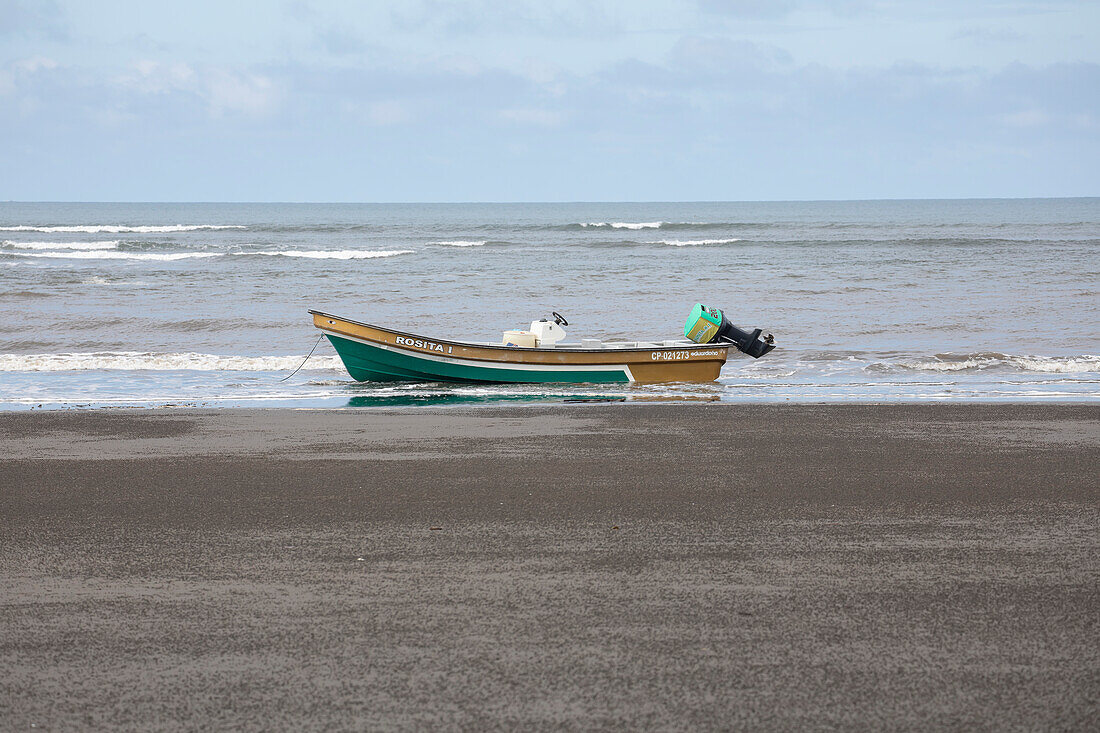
(510, 100)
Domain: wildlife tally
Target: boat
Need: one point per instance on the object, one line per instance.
(541, 354)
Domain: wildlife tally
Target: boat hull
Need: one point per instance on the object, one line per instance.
(373, 353)
(372, 363)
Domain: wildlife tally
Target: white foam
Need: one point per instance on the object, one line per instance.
(1048, 364)
(625, 224)
(461, 243)
(152, 256)
(179, 400)
(343, 254)
(339, 254)
(119, 228)
(1085, 363)
(136, 360)
(61, 245)
(693, 242)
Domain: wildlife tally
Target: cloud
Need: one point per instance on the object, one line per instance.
(521, 17)
(453, 63)
(985, 35)
(1026, 118)
(772, 9)
(32, 19)
(712, 55)
(231, 91)
(22, 73)
(34, 64)
(1060, 89)
(153, 77)
(534, 117)
(704, 81)
(672, 115)
(223, 91)
(388, 113)
(300, 11)
(340, 41)
(749, 8)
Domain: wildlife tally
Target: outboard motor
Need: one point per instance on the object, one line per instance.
(710, 326)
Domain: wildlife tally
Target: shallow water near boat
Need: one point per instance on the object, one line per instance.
(205, 304)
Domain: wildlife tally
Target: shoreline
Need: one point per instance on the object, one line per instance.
(416, 402)
(681, 566)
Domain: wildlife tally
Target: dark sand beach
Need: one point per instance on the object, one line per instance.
(578, 566)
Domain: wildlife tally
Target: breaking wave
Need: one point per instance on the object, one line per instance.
(120, 228)
(110, 255)
(136, 360)
(341, 254)
(693, 242)
(662, 225)
(344, 254)
(111, 244)
(625, 224)
(977, 362)
(462, 243)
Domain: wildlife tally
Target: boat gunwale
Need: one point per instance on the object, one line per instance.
(514, 349)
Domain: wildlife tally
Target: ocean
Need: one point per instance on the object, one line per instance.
(204, 305)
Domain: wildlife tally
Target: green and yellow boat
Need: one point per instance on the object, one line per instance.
(540, 355)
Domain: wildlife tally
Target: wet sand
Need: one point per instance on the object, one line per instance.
(581, 566)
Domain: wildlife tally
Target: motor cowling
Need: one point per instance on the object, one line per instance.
(709, 326)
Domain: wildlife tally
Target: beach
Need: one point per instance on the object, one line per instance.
(700, 566)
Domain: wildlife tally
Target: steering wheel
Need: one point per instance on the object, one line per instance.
(559, 318)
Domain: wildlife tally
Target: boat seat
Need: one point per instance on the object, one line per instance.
(632, 345)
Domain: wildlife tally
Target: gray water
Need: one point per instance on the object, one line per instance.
(205, 304)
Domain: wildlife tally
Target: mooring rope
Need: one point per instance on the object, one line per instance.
(315, 345)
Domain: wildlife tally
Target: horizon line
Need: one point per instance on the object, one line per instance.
(594, 201)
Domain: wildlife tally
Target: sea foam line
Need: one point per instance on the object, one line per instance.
(461, 243)
(345, 254)
(101, 255)
(1024, 363)
(111, 244)
(625, 224)
(340, 254)
(137, 360)
(120, 228)
(693, 242)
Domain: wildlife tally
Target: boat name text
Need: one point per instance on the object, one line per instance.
(422, 344)
(680, 355)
